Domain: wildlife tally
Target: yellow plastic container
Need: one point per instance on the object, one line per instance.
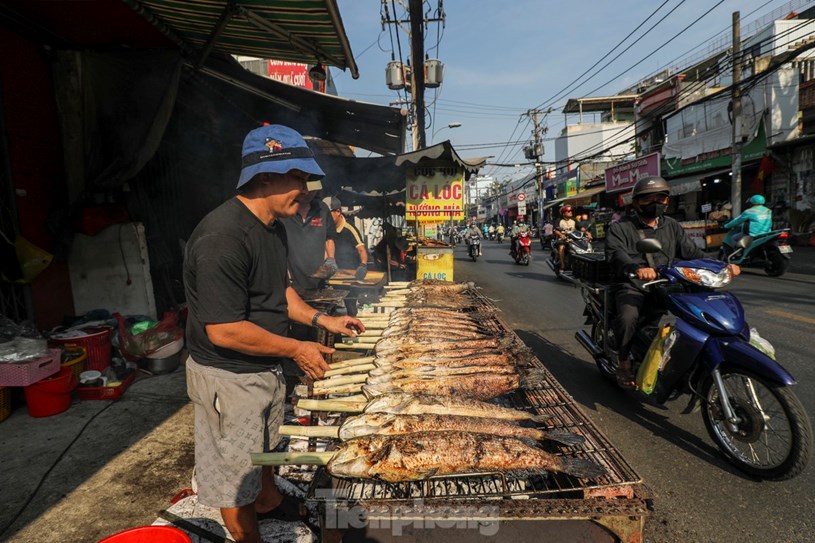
(75, 359)
(434, 263)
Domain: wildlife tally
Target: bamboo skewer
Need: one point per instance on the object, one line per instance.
(339, 380)
(341, 406)
(354, 346)
(293, 458)
(340, 389)
(309, 431)
(351, 362)
(362, 368)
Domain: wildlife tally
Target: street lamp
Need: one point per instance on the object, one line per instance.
(451, 125)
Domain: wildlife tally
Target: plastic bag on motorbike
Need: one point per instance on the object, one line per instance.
(655, 359)
(761, 344)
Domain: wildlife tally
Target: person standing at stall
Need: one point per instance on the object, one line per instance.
(350, 250)
(311, 233)
(240, 303)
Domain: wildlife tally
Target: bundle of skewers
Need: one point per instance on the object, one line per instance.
(421, 398)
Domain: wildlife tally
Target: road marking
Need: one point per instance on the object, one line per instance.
(793, 316)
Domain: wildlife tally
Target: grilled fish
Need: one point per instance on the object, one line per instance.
(413, 457)
(389, 424)
(480, 386)
(488, 359)
(386, 374)
(416, 404)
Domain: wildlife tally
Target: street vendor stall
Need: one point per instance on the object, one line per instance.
(421, 426)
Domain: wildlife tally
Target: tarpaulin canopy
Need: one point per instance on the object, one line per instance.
(307, 31)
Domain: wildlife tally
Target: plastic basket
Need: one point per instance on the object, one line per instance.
(76, 357)
(106, 393)
(97, 344)
(591, 267)
(22, 374)
(5, 403)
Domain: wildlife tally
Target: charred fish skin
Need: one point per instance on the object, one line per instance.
(417, 456)
(412, 404)
(478, 386)
(389, 424)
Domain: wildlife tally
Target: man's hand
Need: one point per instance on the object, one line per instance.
(735, 269)
(327, 269)
(345, 325)
(309, 356)
(646, 274)
(362, 271)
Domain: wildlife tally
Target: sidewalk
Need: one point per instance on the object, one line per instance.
(98, 468)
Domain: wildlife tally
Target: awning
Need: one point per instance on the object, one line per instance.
(373, 127)
(443, 151)
(585, 195)
(551, 203)
(306, 31)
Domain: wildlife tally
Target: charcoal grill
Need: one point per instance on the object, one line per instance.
(485, 505)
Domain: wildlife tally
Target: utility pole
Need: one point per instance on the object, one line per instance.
(535, 154)
(735, 186)
(417, 73)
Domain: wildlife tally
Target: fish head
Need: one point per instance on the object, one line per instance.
(374, 390)
(350, 460)
(363, 425)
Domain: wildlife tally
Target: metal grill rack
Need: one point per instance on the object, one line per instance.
(546, 398)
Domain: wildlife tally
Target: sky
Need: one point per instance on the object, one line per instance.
(502, 58)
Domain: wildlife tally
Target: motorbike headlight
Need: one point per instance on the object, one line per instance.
(706, 278)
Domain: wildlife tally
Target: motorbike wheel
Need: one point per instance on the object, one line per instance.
(474, 255)
(525, 259)
(776, 264)
(774, 437)
(607, 369)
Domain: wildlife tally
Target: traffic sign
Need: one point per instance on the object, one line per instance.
(521, 196)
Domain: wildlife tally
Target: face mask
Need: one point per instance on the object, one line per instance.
(653, 210)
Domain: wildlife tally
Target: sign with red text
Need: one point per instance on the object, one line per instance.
(625, 175)
(435, 194)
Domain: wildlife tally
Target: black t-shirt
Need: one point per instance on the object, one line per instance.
(235, 270)
(348, 239)
(307, 243)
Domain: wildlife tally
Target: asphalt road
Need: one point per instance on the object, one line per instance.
(699, 497)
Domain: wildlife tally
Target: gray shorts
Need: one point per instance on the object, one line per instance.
(235, 414)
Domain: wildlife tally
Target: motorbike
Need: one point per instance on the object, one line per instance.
(522, 250)
(712, 355)
(492, 235)
(578, 243)
(771, 251)
(473, 247)
(499, 236)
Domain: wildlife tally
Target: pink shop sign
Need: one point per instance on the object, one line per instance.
(623, 176)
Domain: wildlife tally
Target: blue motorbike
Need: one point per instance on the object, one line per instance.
(712, 355)
(770, 251)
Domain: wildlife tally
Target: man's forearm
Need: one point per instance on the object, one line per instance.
(363, 255)
(249, 338)
(329, 248)
(299, 311)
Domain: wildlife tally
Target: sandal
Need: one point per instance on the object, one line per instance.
(625, 379)
(290, 509)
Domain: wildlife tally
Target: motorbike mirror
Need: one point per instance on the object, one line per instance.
(649, 245)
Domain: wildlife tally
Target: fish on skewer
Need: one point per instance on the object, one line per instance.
(390, 424)
(417, 456)
(480, 386)
(487, 359)
(443, 346)
(386, 375)
(426, 404)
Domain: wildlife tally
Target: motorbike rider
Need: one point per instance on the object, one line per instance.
(499, 231)
(492, 231)
(474, 232)
(517, 228)
(564, 227)
(649, 199)
(759, 219)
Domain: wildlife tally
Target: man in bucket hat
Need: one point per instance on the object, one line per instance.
(240, 303)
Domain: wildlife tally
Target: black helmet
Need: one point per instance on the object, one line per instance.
(649, 185)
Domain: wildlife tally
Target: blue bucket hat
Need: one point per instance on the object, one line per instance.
(279, 149)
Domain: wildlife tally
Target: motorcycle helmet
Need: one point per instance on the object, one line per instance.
(566, 209)
(757, 200)
(650, 185)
